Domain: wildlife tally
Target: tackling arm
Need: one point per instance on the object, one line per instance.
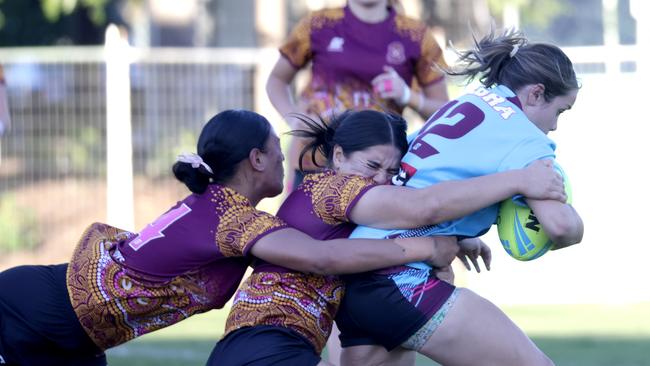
(296, 250)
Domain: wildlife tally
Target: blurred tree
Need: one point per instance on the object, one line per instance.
(48, 22)
(535, 13)
(54, 9)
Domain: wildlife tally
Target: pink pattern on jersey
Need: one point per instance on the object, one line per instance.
(155, 229)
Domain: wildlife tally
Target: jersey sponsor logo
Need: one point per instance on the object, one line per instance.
(395, 53)
(336, 44)
(494, 101)
(155, 229)
(406, 171)
(532, 223)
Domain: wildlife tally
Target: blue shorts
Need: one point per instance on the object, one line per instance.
(388, 307)
(37, 323)
(263, 345)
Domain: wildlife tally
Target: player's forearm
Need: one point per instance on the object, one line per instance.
(296, 250)
(392, 207)
(426, 106)
(343, 256)
(429, 100)
(279, 94)
(454, 199)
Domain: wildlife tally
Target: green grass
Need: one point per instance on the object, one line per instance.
(572, 335)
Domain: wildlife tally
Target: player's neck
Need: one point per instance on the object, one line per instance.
(374, 13)
(242, 185)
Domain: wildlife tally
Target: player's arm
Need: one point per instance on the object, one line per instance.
(561, 222)
(279, 91)
(296, 250)
(432, 98)
(391, 207)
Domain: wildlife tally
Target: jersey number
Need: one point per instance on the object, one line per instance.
(470, 117)
(155, 229)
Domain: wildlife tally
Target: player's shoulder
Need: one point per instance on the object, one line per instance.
(414, 28)
(329, 179)
(320, 18)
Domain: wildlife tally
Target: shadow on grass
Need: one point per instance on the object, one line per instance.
(565, 351)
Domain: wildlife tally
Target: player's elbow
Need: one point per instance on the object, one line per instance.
(565, 230)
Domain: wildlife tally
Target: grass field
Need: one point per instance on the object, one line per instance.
(572, 335)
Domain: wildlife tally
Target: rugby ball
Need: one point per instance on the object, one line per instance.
(520, 232)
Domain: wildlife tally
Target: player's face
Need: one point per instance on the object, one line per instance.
(379, 162)
(275, 168)
(546, 114)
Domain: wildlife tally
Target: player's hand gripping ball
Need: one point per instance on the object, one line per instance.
(520, 232)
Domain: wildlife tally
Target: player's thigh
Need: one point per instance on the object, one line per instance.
(370, 355)
(475, 331)
(334, 346)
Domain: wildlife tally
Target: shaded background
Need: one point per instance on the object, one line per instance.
(98, 118)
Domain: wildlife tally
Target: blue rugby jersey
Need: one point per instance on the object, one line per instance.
(482, 132)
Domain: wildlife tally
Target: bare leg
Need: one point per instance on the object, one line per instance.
(376, 356)
(475, 332)
(334, 346)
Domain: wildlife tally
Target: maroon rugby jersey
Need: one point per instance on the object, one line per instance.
(306, 303)
(190, 260)
(347, 53)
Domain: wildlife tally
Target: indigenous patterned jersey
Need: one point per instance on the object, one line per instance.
(480, 133)
(190, 260)
(306, 303)
(347, 53)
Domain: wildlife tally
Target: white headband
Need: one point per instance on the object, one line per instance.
(195, 160)
(515, 48)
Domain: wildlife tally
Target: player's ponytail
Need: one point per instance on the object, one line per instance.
(352, 131)
(509, 59)
(226, 140)
(320, 135)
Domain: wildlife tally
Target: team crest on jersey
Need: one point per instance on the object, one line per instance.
(395, 53)
(336, 44)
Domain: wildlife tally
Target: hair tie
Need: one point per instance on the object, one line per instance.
(194, 159)
(515, 48)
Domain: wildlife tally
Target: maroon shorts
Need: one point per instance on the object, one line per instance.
(387, 307)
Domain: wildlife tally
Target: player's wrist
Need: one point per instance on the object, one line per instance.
(415, 249)
(405, 100)
(517, 178)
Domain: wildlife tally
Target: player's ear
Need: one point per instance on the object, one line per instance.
(337, 157)
(535, 94)
(257, 159)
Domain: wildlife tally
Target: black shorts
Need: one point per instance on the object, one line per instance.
(37, 323)
(386, 308)
(263, 345)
